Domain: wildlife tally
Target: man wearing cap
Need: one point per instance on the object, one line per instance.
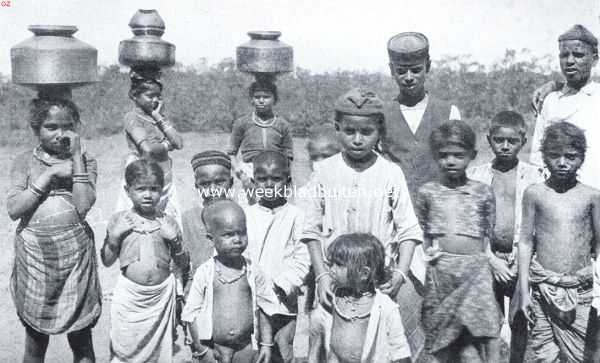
(577, 102)
(412, 116)
(409, 119)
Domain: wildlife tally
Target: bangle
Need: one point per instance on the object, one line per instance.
(80, 175)
(36, 190)
(401, 274)
(200, 354)
(167, 144)
(320, 276)
(263, 344)
(80, 179)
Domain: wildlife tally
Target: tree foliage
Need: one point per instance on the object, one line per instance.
(209, 101)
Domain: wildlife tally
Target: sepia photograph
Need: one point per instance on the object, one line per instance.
(264, 181)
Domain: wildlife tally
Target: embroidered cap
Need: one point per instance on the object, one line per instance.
(211, 157)
(408, 48)
(358, 101)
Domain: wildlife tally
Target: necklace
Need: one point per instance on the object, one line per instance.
(354, 305)
(227, 280)
(263, 123)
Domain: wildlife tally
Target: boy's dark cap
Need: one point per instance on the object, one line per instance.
(408, 48)
(579, 32)
(211, 157)
(360, 102)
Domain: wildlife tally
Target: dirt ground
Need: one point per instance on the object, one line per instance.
(110, 153)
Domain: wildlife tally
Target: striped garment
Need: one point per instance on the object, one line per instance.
(54, 283)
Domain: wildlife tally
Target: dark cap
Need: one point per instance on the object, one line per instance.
(579, 32)
(408, 48)
(358, 101)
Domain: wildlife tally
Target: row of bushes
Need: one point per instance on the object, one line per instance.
(209, 101)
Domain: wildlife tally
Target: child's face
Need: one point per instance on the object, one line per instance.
(263, 101)
(228, 234)
(339, 274)
(410, 77)
(148, 99)
(563, 162)
(145, 194)
(506, 143)
(321, 148)
(213, 181)
(270, 180)
(453, 160)
(359, 136)
(53, 129)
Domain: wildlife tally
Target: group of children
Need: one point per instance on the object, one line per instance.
(240, 262)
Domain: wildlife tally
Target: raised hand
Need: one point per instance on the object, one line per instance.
(63, 169)
(121, 227)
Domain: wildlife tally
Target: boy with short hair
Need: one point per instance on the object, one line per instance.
(322, 143)
(561, 219)
(213, 181)
(508, 177)
(225, 307)
(274, 227)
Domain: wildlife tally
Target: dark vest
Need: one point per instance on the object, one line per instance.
(411, 151)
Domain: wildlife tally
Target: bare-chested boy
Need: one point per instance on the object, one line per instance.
(560, 219)
(223, 303)
(508, 177)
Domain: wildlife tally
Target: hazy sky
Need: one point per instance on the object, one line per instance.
(326, 34)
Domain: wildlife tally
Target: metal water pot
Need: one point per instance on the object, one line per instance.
(53, 59)
(146, 48)
(265, 53)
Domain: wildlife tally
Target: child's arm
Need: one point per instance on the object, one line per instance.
(147, 146)
(296, 263)
(288, 141)
(85, 171)
(266, 337)
(171, 233)
(200, 352)
(312, 233)
(118, 227)
(526, 250)
(237, 134)
(23, 196)
(167, 128)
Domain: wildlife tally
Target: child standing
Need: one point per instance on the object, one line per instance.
(508, 177)
(150, 135)
(261, 130)
(359, 191)
(561, 223)
(366, 324)
(54, 282)
(227, 301)
(461, 317)
(274, 227)
(145, 241)
(213, 181)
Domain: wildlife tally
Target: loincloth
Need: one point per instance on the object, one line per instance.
(141, 321)
(562, 293)
(459, 297)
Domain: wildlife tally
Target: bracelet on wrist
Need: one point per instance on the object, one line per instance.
(265, 344)
(37, 190)
(404, 277)
(197, 355)
(320, 276)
